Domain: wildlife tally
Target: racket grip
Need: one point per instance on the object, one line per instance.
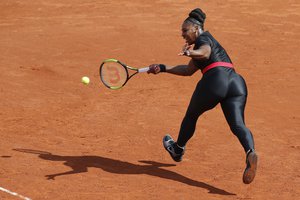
(145, 69)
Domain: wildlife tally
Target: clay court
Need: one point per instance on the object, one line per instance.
(61, 139)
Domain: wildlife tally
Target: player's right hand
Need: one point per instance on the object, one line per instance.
(153, 69)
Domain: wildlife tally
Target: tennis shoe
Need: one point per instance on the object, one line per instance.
(173, 149)
(251, 165)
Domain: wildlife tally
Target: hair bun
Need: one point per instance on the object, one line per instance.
(198, 14)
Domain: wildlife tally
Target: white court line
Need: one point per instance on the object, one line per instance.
(14, 193)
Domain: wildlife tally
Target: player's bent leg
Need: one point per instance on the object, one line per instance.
(202, 100)
(175, 151)
(251, 166)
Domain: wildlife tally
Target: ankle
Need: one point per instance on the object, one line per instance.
(179, 146)
(249, 151)
(178, 149)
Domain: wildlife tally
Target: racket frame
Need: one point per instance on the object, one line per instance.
(126, 67)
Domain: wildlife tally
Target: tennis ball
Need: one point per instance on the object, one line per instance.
(85, 80)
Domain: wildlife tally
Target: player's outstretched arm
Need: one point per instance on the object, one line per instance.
(181, 70)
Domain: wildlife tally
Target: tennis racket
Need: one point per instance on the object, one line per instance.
(115, 74)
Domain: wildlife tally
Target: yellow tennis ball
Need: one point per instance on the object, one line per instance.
(85, 80)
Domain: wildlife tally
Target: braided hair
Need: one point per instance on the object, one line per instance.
(197, 17)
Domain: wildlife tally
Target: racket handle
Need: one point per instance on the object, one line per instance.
(145, 69)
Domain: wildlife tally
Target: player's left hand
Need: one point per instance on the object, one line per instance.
(185, 50)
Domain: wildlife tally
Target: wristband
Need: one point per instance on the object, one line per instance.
(162, 68)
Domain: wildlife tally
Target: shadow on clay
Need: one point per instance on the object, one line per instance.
(80, 164)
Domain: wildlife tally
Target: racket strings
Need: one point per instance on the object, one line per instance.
(113, 74)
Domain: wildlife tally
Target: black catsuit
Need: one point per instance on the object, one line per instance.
(218, 85)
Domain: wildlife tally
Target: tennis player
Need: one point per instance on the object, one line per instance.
(219, 84)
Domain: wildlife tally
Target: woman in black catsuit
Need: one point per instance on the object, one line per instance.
(219, 84)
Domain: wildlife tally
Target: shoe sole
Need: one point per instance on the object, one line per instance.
(250, 171)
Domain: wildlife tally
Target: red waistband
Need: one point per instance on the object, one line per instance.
(217, 64)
